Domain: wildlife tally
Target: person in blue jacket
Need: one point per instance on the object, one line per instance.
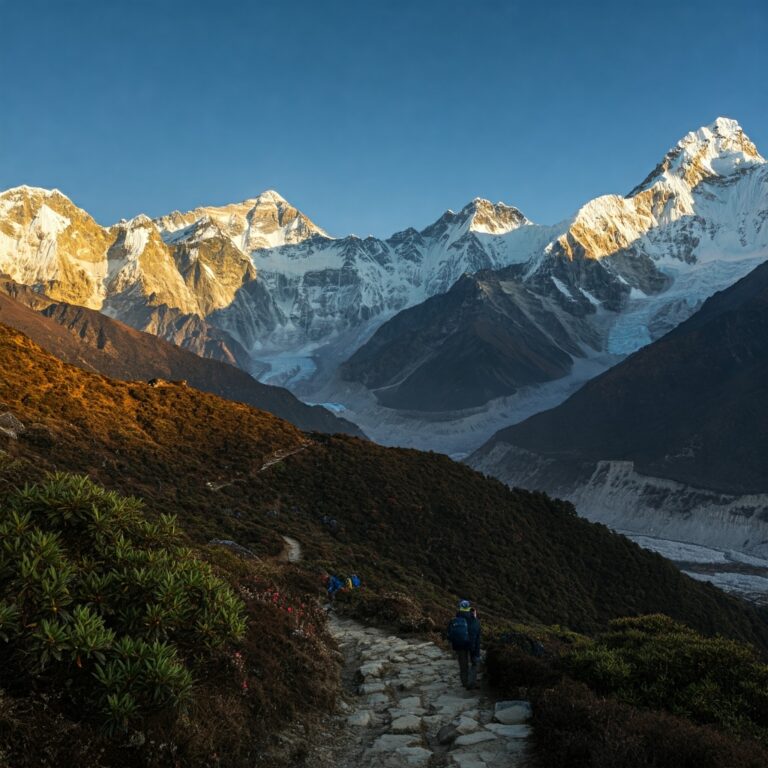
(464, 635)
(333, 585)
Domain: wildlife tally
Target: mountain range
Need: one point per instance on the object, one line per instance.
(432, 338)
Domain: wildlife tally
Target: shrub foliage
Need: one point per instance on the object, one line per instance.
(98, 601)
(654, 662)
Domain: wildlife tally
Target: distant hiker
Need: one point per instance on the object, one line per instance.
(333, 585)
(464, 635)
(352, 582)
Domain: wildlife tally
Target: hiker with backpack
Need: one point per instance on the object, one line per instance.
(464, 636)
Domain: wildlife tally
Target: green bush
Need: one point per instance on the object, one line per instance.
(655, 662)
(575, 728)
(102, 603)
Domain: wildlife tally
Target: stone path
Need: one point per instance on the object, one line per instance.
(405, 706)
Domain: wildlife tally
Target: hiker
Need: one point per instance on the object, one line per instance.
(464, 635)
(333, 585)
(351, 583)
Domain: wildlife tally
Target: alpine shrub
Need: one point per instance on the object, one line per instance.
(102, 603)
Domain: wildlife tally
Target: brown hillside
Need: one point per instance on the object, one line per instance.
(92, 341)
(406, 520)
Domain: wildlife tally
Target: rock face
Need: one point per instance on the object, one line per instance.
(673, 441)
(419, 715)
(460, 349)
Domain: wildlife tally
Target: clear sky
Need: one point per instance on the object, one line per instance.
(368, 116)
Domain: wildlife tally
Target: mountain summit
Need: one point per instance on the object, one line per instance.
(265, 221)
(718, 149)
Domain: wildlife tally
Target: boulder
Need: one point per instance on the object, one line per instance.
(406, 724)
(10, 425)
(512, 712)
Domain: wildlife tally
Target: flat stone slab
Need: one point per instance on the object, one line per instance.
(453, 705)
(372, 688)
(416, 756)
(406, 724)
(467, 725)
(512, 712)
(360, 719)
(519, 731)
(377, 700)
(396, 712)
(478, 737)
(391, 742)
(372, 669)
(468, 760)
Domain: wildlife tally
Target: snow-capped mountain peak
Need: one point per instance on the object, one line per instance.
(493, 219)
(718, 149)
(264, 221)
(268, 196)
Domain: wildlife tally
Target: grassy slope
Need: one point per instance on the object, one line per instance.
(408, 520)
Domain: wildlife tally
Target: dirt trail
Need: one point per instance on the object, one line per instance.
(292, 551)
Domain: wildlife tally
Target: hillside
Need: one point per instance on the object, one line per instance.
(462, 348)
(92, 341)
(406, 520)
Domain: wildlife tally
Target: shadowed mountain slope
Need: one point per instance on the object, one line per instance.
(690, 407)
(95, 342)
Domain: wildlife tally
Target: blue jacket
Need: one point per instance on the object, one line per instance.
(473, 630)
(334, 584)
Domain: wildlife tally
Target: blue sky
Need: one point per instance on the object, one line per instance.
(368, 116)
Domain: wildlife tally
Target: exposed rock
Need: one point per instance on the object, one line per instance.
(390, 742)
(406, 724)
(360, 719)
(10, 425)
(372, 688)
(417, 756)
(468, 739)
(467, 725)
(519, 731)
(512, 712)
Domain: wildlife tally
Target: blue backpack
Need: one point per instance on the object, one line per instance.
(355, 581)
(458, 632)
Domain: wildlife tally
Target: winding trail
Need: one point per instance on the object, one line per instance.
(292, 551)
(404, 707)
